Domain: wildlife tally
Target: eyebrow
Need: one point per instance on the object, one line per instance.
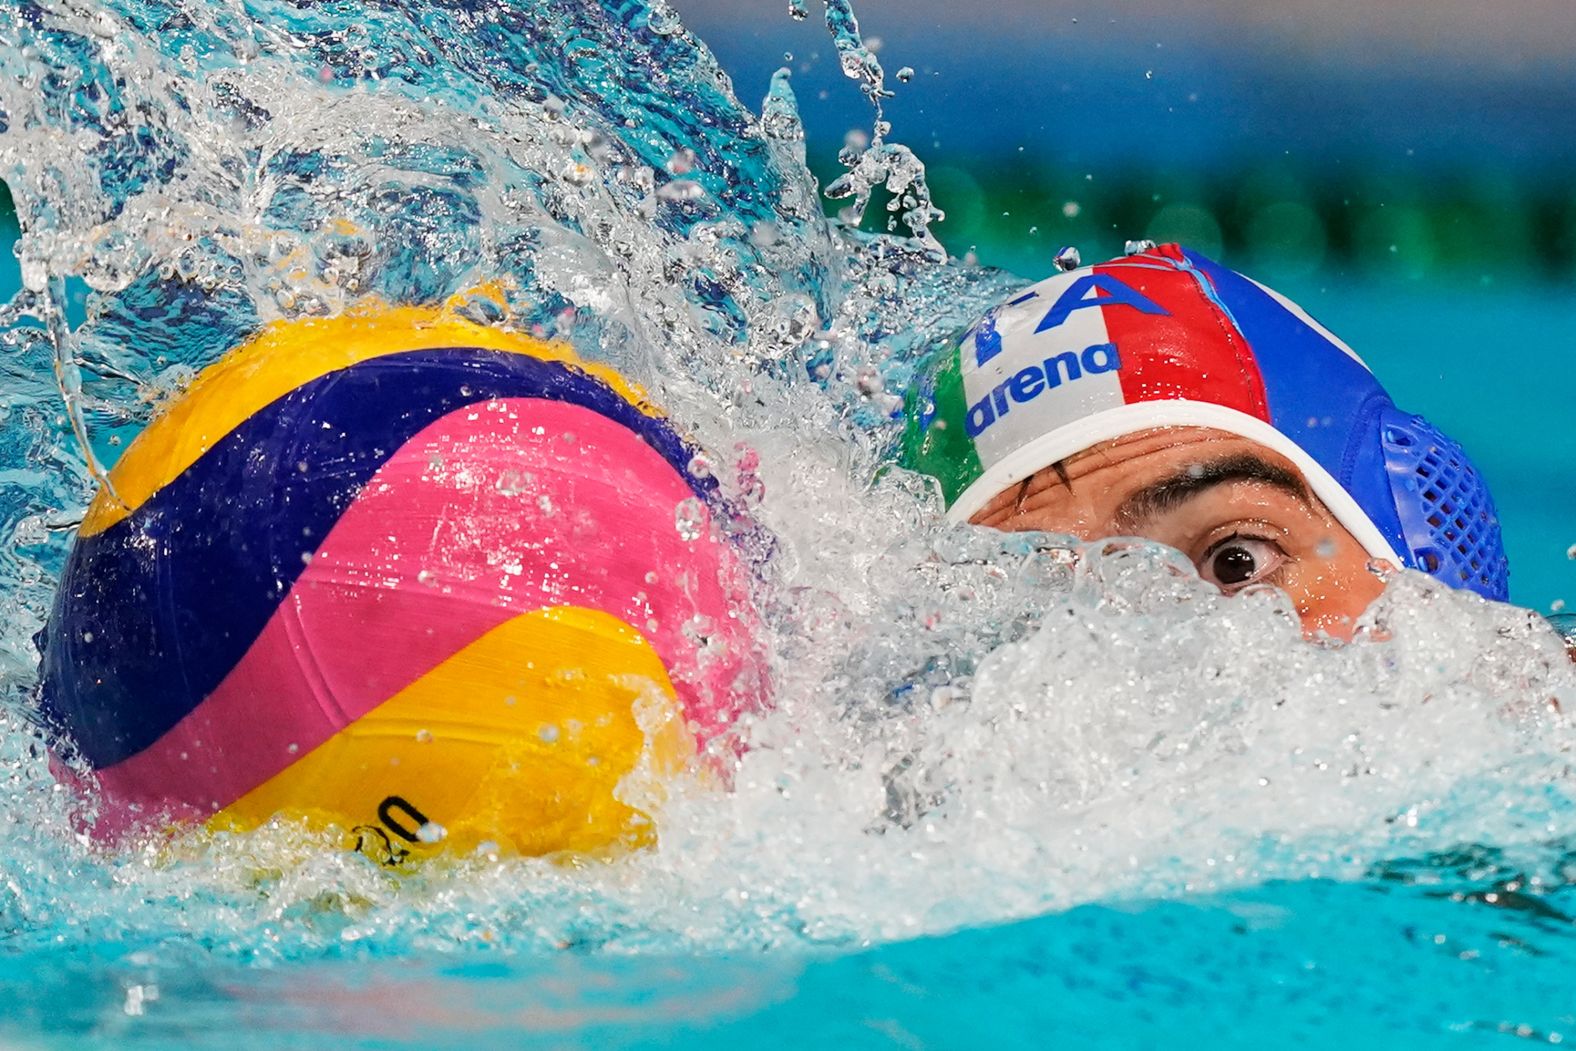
(1168, 494)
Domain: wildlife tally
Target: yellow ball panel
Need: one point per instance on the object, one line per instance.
(519, 739)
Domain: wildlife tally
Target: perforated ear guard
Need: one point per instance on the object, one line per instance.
(1447, 516)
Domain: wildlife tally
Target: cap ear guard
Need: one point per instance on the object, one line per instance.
(1447, 517)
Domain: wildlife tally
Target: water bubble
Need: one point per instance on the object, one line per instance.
(681, 190)
(796, 10)
(137, 999)
(1068, 258)
(699, 628)
(689, 517)
(701, 465)
(432, 832)
(905, 74)
(681, 161)
(1138, 247)
(511, 482)
(855, 140)
(35, 276)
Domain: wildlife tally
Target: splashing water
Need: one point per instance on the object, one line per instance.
(968, 727)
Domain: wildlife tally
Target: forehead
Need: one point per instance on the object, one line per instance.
(1159, 452)
(1173, 445)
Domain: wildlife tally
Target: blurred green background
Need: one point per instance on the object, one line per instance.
(1403, 170)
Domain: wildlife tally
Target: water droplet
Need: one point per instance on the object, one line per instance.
(34, 274)
(699, 628)
(432, 832)
(1325, 548)
(424, 736)
(137, 997)
(905, 74)
(549, 733)
(681, 190)
(700, 465)
(689, 517)
(681, 161)
(796, 10)
(1068, 258)
(1071, 209)
(1138, 247)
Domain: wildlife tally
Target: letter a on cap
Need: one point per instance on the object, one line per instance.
(1108, 291)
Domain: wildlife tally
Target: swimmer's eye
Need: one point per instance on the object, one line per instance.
(1237, 561)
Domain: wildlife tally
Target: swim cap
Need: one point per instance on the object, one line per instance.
(1166, 337)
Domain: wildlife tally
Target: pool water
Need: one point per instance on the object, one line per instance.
(1008, 794)
(1304, 964)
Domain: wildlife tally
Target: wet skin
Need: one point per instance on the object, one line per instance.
(1240, 512)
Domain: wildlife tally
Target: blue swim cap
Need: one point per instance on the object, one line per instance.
(1166, 337)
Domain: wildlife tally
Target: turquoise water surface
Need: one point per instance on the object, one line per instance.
(1297, 964)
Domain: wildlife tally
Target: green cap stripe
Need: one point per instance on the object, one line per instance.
(935, 440)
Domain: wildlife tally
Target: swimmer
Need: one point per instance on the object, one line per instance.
(1163, 396)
